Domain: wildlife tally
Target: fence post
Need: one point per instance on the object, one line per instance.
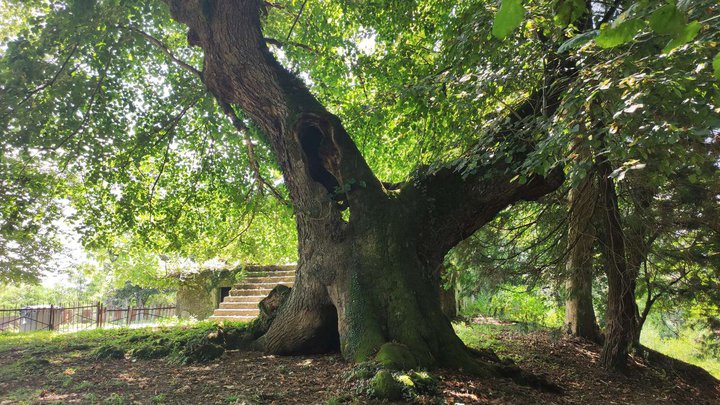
(127, 320)
(52, 317)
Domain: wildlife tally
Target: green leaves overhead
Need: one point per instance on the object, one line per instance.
(618, 34)
(417, 83)
(688, 33)
(578, 41)
(668, 20)
(568, 11)
(508, 18)
(716, 65)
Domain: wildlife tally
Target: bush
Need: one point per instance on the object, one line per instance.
(516, 303)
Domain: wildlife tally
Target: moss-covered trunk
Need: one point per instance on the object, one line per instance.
(380, 290)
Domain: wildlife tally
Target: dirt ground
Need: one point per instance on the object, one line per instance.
(71, 376)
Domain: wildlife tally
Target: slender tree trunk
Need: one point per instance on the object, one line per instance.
(622, 310)
(579, 312)
(642, 317)
(371, 280)
(639, 237)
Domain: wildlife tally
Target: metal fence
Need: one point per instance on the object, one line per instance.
(74, 317)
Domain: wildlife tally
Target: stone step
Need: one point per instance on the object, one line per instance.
(270, 273)
(242, 303)
(242, 318)
(255, 286)
(237, 312)
(245, 292)
(245, 298)
(238, 305)
(268, 279)
(266, 275)
(248, 299)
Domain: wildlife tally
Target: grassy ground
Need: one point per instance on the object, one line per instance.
(683, 347)
(180, 365)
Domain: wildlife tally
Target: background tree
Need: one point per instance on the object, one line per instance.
(29, 209)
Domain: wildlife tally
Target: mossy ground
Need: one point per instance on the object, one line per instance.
(144, 366)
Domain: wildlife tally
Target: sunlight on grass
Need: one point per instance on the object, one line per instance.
(60, 340)
(197, 342)
(685, 348)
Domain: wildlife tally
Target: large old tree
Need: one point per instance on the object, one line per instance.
(429, 91)
(369, 279)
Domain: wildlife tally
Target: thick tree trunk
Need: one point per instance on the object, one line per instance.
(622, 310)
(579, 312)
(372, 280)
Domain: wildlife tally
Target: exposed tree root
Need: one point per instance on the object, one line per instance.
(487, 359)
(397, 356)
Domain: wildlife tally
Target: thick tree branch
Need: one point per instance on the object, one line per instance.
(610, 12)
(226, 107)
(314, 152)
(455, 207)
(458, 205)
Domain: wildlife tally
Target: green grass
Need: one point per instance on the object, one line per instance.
(202, 341)
(158, 399)
(488, 336)
(685, 347)
(24, 395)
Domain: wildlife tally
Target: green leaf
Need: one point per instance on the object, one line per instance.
(716, 65)
(508, 18)
(568, 11)
(688, 34)
(612, 36)
(578, 41)
(668, 20)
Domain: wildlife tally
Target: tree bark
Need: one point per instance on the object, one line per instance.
(448, 296)
(621, 310)
(371, 280)
(640, 236)
(579, 312)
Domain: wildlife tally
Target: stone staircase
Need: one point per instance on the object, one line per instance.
(242, 303)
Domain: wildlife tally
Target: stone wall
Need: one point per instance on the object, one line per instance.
(199, 294)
